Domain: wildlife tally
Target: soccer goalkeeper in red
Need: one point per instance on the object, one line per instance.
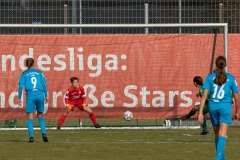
(75, 97)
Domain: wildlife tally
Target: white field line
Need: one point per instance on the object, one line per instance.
(79, 128)
(121, 142)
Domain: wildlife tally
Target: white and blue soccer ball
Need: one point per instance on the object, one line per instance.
(128, 116)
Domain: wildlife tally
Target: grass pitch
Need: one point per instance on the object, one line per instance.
(115, 144)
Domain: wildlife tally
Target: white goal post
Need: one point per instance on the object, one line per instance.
(74, 55)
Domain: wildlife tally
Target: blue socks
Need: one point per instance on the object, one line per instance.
(30, 127)
(216, 143)
(42, 125)
(220, 147)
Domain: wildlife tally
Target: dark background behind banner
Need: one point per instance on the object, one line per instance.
(117, 12)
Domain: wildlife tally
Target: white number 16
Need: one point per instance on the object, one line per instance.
(220, 93)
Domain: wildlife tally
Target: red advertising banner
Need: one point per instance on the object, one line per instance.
(150, 75)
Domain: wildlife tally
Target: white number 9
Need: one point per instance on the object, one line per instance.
(34, 82)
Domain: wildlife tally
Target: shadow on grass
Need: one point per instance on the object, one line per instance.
(192, 141)
(14, 140)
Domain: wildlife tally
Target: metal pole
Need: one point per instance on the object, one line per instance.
(226, 44)
(15, 123)
(80, 122)
(221, 15)
(65, 18)
(80, 10)
(225, 33)
(173, 25)
(146, 17)
(213, 49)
(74, 15)
(180, 14)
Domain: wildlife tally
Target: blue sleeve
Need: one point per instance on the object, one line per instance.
(234, 86)
(20, 86)
(206, 84)
(44, 84)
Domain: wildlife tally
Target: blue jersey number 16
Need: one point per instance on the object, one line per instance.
(219, 94)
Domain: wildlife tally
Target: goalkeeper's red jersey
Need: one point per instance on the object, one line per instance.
(75, 95)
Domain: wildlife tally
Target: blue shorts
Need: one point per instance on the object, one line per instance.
(223, 114)
(35, 102)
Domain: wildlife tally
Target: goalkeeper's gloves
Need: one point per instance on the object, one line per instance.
(84, 105)
(69, 107)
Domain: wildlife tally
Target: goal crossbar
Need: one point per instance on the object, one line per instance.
(224, 25)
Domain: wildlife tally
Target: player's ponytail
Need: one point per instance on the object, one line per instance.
(29, 62)
(221, 77)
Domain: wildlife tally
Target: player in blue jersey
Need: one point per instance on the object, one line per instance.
(220, 85)
(36, 95)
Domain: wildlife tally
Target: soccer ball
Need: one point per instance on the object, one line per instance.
(128, 116)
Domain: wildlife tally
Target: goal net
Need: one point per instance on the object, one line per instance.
(120, 67)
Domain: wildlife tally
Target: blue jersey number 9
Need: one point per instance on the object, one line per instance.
(219, 94)
(34, 82)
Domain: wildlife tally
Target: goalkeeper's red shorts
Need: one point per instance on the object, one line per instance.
(77, 104)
